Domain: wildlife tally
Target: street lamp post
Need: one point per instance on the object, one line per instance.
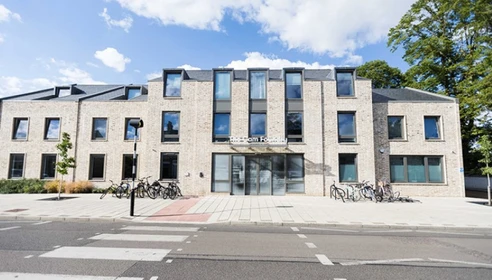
(136, 124)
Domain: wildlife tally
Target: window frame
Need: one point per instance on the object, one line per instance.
(289, 181)
(47, 122)
(345, 71)
(168, 136)
(131, 167)
(439, 128)
(215, 84)
(43, 166)
(402, 128)
(11, 158)
(250, 123)
(127, 93)
(166, 74)
(426, 169)
(139, 130)
(266, 84)
(15, 126)
(161, 161)
(356, 166)
(217, 138)
(92, 157)
(294, 136)
(301, 85)
(93, 136)
(341, 137)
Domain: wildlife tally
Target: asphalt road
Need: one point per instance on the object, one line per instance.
(131, 251)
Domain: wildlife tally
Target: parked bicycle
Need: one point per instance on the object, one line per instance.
(174, 185)
(144, 187)
(384, 191)
(337, 192)
(111, 189)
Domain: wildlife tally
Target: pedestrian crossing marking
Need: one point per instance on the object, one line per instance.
(157, 228)
(107, 253)
(140, 237)
(39, 276)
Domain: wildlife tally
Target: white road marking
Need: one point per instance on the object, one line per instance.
(38, 276)
(188, 242)
(169, 261)
(301, 236)
(80, 238)
(41, 223)
(383, 231)
(28, 257)
(107, 253)
(455, 233)
(56, 246)
(154, 278)
(294, 229)
(339, 278)
(179, 250)
(97, 233)
(382, 261)
(195, 235)
(8, 228)
(323, 259)
(332, 229)
(141, 237)
(311, 245)
(461, 262)
(156, 228)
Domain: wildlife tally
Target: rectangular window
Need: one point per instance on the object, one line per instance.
(52, 129)
(16, 169)
(96, 167)
(173, 85)
(416, 169)
(293, 86)
(130, 130)
(221, 127)
(48, 166)
(20, 129)
(295, 174)
(257, 124)
(221, 173)
(432, 127)
(169, 166)
(294, 127)
(345, 84)
(222, 85)
(347, 167)
(257, 85)
(64, 92)
(395, 127)
(170, 127)
(128, 166)
(134, 92)
(346, 127)
(99, 126)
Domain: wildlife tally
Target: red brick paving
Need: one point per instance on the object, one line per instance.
(177, 212)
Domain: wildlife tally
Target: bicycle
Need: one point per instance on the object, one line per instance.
(174, 185)
(352, 193)
(384, 191)
(143, 187)
(111, 189)
(336, 192)
(123, 189)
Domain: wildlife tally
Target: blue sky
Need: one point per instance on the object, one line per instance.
(56, 42)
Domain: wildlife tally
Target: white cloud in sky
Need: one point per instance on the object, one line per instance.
(188, 67)
(354, 59)
(256, 59)
(125, 23)
(7, 15)
(1, 38)
(333, 27)
(112, 58)
(153, 75)
(92, 64)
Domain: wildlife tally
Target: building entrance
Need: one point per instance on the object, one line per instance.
(258, 176)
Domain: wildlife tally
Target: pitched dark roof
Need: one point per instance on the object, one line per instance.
(407, 95)
(318, 74)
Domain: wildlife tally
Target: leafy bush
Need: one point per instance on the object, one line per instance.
(97, 190)
(21, 186)
(52, 186)
(79, 187)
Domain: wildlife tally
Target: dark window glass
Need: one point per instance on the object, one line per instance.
(169, 166)
(133, 92)
(295, 173)
(52, 129)
(221, 127)
(347, 164)
(20, 128)
(416, 169)
(99, 129)
(346, 127)
(96, 169)
(48, 166)
(257, 124)
(128, 166)
(294, 127)
(345, 85)
(130, 131)
(432, 128)
(435, 169)
(222, 85)
(293, 85)
(170, 127)
(16, 169)
(397, 169)
(257, 85)
(395, 127)
(173, 84)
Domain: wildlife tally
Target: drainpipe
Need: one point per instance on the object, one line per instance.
(77, 130)
(323, 136)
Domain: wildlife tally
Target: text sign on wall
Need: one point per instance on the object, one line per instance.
(258, 140)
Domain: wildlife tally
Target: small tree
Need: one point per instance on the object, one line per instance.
(485, 148)
(65, 161)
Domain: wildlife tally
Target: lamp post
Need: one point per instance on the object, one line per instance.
(136, 124)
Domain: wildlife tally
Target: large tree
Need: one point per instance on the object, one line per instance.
(381, 74)
(448, 46)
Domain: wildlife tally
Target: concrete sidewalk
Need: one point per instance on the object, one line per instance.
(443, 213)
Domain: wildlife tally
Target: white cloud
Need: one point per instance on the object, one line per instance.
(13, 85)
(125, 23)
(1, 38)
(153, 75)
(74, 75)
(136, 71)
(92, 64)
(256, 59)
(188, 67)
(332, 27)
(112, 58)
(354, 59)
(7, 15)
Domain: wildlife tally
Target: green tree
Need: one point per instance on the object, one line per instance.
(381, 74)
(65, 161)
(485, 149)
(448, 46)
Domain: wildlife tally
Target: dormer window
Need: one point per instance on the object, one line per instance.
(172, 88)
(64, 92)
(345, 82)
(133, 92)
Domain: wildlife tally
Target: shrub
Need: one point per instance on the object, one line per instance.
(21, 186)
(79, 187)
(52, 186)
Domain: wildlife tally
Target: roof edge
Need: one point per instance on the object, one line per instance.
(432, 94)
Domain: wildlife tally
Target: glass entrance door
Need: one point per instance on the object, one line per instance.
(258, 176)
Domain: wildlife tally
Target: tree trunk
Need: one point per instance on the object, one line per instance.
(60, 187)
(488, 186)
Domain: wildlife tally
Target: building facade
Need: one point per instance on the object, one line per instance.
(241, 132)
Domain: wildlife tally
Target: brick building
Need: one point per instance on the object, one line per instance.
(241, 132)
